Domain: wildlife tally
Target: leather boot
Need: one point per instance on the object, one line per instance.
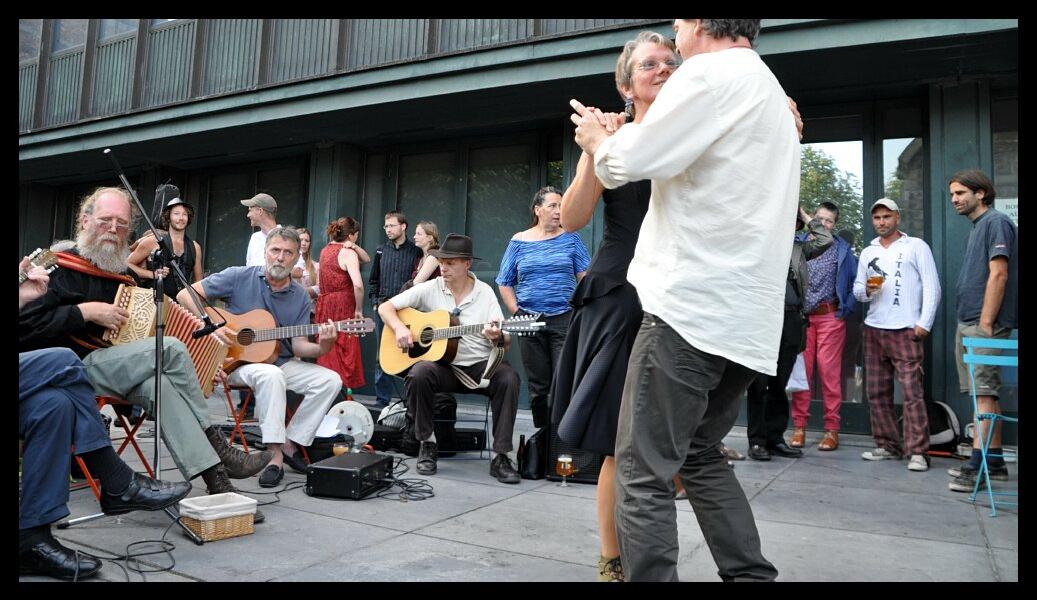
(239, 464)
(217, 482)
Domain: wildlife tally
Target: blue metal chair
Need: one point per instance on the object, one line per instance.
(971, 359)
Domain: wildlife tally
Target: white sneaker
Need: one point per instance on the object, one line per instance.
(879, 454)
(917, 463)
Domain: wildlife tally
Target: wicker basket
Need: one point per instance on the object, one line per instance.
(221, 529)
(219, 516)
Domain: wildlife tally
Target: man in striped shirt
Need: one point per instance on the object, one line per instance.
(897, 278)
(394, 263)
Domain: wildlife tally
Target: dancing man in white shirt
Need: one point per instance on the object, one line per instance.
(901, 311)
(721, 148)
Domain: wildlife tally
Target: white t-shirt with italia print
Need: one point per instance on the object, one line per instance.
(911, 290)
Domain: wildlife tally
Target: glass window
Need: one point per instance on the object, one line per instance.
(159, 22)
(902, 160)
(499, 194)
(832, 172)
(29, 31)
(288, 187)
(110, 28)
(228, 229)
(1005, 123)
(427, 191)
(68, 33)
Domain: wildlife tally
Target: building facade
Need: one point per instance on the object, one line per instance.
(459, 121)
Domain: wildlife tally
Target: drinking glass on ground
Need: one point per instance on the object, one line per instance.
(564, 468)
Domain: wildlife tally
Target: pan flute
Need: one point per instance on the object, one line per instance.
(207, 352)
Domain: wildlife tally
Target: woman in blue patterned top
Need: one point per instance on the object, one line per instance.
(538, 274)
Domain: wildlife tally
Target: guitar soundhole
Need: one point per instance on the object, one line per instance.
(426, 337)
(246, 337)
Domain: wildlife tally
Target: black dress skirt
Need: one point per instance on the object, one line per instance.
(588, 382)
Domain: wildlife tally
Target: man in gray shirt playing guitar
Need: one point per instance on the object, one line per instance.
(272, 289)
(473, 302)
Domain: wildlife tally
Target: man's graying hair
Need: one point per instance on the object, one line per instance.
(87, 206)
(733, 28)
(285, 233)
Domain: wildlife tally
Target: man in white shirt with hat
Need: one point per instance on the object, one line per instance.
(897, 279)
(262, 213)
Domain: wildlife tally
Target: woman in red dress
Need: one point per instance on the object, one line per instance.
(342, 297)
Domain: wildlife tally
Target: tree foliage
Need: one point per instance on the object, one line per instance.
(821, 180)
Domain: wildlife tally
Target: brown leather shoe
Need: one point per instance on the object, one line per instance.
(799, 437)
(830, 441)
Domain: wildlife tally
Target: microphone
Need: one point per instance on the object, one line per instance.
(208, 328)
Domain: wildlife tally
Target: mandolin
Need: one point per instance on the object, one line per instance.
(39, 258)
(436, 335)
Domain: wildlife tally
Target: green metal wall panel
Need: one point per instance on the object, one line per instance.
(170, 51)
(380, 41)
(302, 48)
(64, 85)
(113, 77)
(553, 26)
(460, 34)
(230, 55)
(26, 95)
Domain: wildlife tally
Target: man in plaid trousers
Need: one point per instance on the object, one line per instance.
(897, 278)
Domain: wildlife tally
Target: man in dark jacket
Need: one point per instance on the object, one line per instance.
(767, 404)
(394, 262)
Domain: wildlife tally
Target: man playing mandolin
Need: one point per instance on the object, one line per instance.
(472, 301)
(271, 288)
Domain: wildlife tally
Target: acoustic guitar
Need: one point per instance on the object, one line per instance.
(436, 335)
(39, 258)
(254, 335)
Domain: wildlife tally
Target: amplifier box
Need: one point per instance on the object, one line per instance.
(468, 440)
(352, 475)
(587, 464)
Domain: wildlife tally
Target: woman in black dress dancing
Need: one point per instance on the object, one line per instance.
(588, 382)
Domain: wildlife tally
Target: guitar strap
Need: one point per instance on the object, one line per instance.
(492, 362)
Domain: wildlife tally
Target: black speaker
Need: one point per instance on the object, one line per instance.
(587, 464)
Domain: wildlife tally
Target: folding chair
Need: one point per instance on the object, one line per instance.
(129, 440)
(239, 414)
(972, 359)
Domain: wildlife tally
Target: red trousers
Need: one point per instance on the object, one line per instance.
(826, 337)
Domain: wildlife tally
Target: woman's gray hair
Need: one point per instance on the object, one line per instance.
(625, 70)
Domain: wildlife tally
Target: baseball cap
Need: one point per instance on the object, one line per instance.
(887, 203)
(264, 201)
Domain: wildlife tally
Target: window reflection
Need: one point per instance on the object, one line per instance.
(902, 160)
(110, 28)
(29, 38)
(68, 33)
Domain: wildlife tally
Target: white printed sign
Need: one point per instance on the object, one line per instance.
(1008, 206)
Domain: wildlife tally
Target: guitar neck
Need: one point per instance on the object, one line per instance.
(458, 331)
(22, 276)
(281, 333)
